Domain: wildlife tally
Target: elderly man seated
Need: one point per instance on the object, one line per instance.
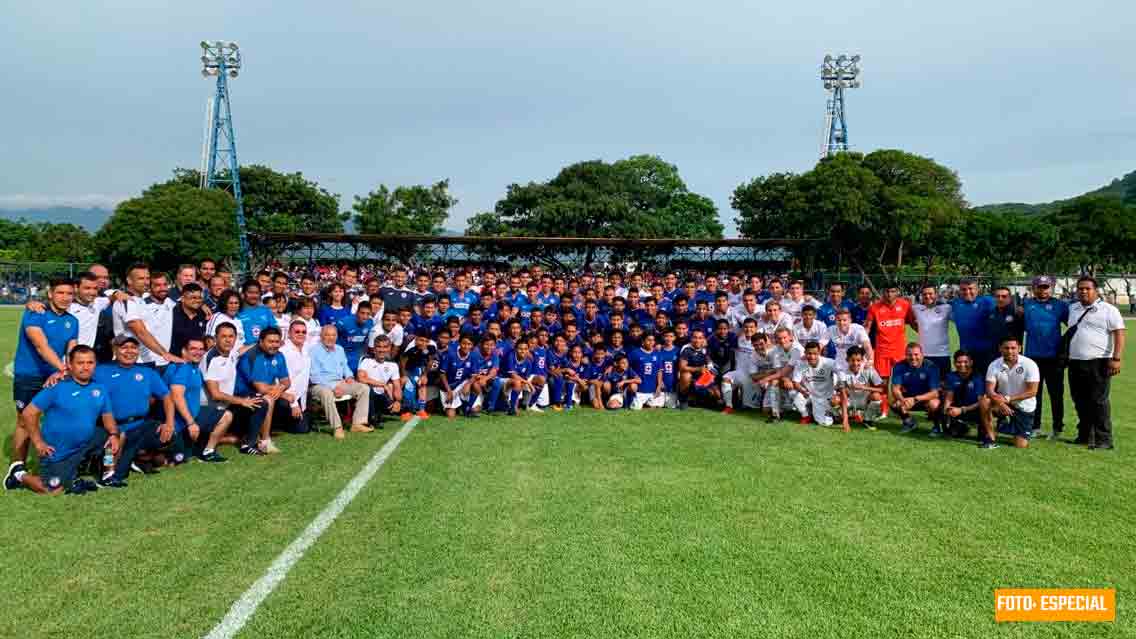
(331, 378)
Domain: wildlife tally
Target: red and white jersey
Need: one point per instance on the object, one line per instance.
(890, 321)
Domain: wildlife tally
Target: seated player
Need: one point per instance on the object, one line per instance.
(380, 374)
(644, 362)
(861, 390)
(740, 379)
(200, 428)
(777, 384)
(516, 371)
(915, 387)
(964, 391)
(538, 352)
(459, 390)
(417, 362)
(696, 373)
(488, 366)
(814, 385)
(72, 411)
(621, 384)
(1011, 395)
(594, 376)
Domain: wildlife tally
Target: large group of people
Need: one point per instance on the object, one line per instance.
(167, 368)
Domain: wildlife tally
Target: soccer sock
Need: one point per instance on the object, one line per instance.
(534, 396)
(494, 394)
(570, 391)
(467, 405)
(514, 399)
(628, 397)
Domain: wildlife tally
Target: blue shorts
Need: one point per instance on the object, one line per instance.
(1020, 424)
(25, 388)
(62, 472)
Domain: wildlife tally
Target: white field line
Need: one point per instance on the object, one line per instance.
(244, 608)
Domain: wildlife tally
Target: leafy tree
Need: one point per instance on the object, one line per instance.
(405, 210)
(1097, 233)
(639, 197)
(281, 202)
(59, 243)
(169, 224)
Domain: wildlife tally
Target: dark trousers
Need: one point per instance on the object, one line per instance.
(247, 421)
(1089, 384)
(379, 406)
(1052, 378)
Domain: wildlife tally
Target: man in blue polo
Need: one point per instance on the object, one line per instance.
(262, 372)
(835, 302)
(915, 387)
(461, 296)
(41, 354)
(68, 434)
(254, 316)
(1044, 316)
(352, 332)
(197, 428)
(971, 314)
(132, 388)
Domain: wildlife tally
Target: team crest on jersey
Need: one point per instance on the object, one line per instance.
(96, 393)
(1049, 307)
(137, 377)
(1019, 370)
(67, 324)
(54, 483)
(922, 375)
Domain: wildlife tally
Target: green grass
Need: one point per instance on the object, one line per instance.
(659, 524)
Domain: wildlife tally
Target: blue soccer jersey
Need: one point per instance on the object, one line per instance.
(966, 391)
(972, 320)
(457, 368)
(915, 381)
(1043, 322)
(667, 361)
(70, 413)
(353, 338)
(646, 366)
(130, 389)
(486, 364)
(257, 367)
(58, 328)
(511, 365)
(828, 310)
(254, 319)
(460, 302)
(540, 363)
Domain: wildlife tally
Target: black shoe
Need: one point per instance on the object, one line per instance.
(251, 450)
(10, 481)
(212, 457)
(82, 487)
(1101, 447)
(145, 468)
(112, 483)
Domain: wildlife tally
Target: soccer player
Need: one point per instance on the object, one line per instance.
(1011, 391)
(844, 334)
(777, 384)
(741, 377)
(696, 372)
(417, 362)
(864, 299)
(516, 370)
(861, 390)
(722, 347)
(645, 364)
(199, 428)
(749, 309)
(835, 303)
(774, 319)
(458, 387)
(971, 314)
(131, 317)
(594, 375)
(462, 299)
(814, 382)
(254, 316)
(621, 384)
(380, 372)
(808, 329)
(889, 318)
(262, 371)
(486, 375)
(352, 332)
(793, 303)
(964, 392)
(931, 317)
(71, 411)
(668, 363)
(915, 387)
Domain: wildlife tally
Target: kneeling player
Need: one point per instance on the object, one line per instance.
(459, 390)
(594, 376)
(861, 390)
(620, 384)
(695, 372)
(381, 375)
(964, 392)
(813, 381)
(915, 387)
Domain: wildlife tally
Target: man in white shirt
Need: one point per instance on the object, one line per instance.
(381, 374)
(778, 383)
(809, 329)
(134, 317)
(774, 320)
(219, 370)
(748, 308)
(742, 375)
(932, 320)
(1011, 391)
(160, 311)
(814, 381)
(796, 300)
(1095, 355)
(295, 351)
(844, 335)
(861, 390)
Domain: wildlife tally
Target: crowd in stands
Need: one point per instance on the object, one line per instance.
(167, 368)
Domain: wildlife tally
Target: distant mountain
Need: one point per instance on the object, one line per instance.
(90, 219)
(1123, 188)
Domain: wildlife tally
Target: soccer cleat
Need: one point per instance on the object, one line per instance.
(144, 468)
(936, 431)
(267, 447)
(212, 457)
(473, 415)
(10, 481)
(728, 410)
(77, 487)
(536, 409)
(557, 408)
(405, 417)
(988, 445)
(422, 415)
(908, 425)
(251, 450)
(112, 483)
(805, 420)
(682, 404)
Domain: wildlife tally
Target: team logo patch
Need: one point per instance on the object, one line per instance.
(66, 324)
(96, 393)
(20, 405)
(54, 482)
(137, 377)
(1019, 369)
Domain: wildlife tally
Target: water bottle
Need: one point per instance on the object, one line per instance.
(108, 457)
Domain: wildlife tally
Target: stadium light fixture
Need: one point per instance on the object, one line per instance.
(837, 74)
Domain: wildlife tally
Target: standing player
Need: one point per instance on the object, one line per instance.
(668, 364)
(889, 318)
(808, 329)
(843, 335)
(931, 317)
(645, 365)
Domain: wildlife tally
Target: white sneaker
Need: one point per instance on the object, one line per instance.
(267, 447)
(536, 409)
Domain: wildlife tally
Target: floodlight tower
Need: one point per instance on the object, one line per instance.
(837, 74)
(219, 166)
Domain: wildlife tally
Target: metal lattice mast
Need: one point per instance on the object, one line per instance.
(837, 74)
(220, 168)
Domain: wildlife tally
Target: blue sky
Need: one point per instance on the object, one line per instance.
(1027, 102)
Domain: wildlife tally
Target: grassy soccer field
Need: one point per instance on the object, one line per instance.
(656, 524)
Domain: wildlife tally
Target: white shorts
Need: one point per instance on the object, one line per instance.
(615, 401)
(648, 400)
(542, 399)
(461, 390)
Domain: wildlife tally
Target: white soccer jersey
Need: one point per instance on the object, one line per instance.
(220, 318)
(88, 317)
(819, 379)
(763, 362)
(782, 358)
(934, 335)
(856, 336)
(1011, 380)
(792, 307)
(818, 332)
(770, 328)
(743, 356)
(867, 376)
(383, 372)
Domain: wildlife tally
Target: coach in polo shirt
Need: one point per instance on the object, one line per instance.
(1044, 315)
(1095, 355)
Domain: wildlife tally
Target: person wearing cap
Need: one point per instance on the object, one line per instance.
(1043, 316)
(1095, 355)
(133, 390)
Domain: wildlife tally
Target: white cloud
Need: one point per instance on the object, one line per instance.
(37, 201)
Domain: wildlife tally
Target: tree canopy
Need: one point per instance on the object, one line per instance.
(44, 242)
(168, 224)
(404, 210)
